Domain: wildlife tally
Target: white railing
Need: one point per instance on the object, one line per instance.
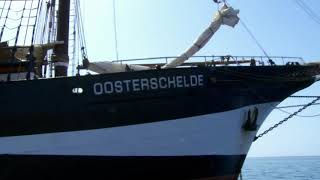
(219, 60)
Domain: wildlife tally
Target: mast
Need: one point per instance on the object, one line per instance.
(61, 57)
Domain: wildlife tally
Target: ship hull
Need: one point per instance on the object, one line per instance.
(104, 167)
(198, 135)
(208, 146)
(187, 123)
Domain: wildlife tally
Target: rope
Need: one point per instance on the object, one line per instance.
(30, 57)
(74, 34)
(42, 39)
(286, 119)
(25, 37)
(51, 22)
(80, 29)
(81, 35)
(11, 39)
(78, 26)
(295, 106)
(303, 116)
(51, 37)
(74, 53)
(18, 30)
(11, 28)
(13, 19)
(308, 11)
(19, 11)
(19, 19)
(4, 5)
(84, 43)
(254, 38)
(34, 31)
(115, 29)
(5, 21)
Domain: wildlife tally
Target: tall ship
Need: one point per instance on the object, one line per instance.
(155, 118)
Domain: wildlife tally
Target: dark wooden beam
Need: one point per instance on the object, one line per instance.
(61, 51)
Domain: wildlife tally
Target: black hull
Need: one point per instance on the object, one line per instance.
(49, 105)
(81, 167)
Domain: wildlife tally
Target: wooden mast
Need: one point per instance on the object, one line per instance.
(61, 57)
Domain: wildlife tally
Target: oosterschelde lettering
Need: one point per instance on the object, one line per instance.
(146, 84)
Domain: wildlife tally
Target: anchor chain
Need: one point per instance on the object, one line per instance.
(304, 96)
(286, 119)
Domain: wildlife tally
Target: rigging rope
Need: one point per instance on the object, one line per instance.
(10, 28)
(80, 28)
(303, 116)
(295, 106)
(254, 38)
(25, 37)
(286, 119)
(42, 38)
(30, 57)
(74, 38)
(308, 11)
(51, 34)
(115, 29)
(250, 33)
(18, 19)
(2, 9)
(51, 22)
(74, 53)
(18, 30)
(38, 22)
(5, 21)
(19, 11)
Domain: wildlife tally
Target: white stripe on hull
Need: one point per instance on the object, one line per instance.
(212, 134)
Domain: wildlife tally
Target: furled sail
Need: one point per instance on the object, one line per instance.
(40, 50)
(226, 16)
(110, 67)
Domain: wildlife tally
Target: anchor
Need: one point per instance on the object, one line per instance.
(251, 122)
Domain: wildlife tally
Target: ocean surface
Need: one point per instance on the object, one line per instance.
(288, 168)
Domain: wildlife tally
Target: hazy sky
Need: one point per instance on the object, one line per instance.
(150, 28)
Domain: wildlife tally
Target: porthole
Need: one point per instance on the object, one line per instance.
(77, 90)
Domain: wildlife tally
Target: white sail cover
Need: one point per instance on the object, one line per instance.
(110, 67)
(225, 16)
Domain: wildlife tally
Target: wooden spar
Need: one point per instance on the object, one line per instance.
(61, 57)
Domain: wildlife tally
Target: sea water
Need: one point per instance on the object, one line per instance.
(284, 168)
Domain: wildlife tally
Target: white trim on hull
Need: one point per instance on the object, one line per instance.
(212, 134)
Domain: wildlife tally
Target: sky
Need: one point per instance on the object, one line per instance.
(152, 28)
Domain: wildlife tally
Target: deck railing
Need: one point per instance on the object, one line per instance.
(226, 60)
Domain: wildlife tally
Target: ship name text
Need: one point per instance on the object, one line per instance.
(147, 84)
